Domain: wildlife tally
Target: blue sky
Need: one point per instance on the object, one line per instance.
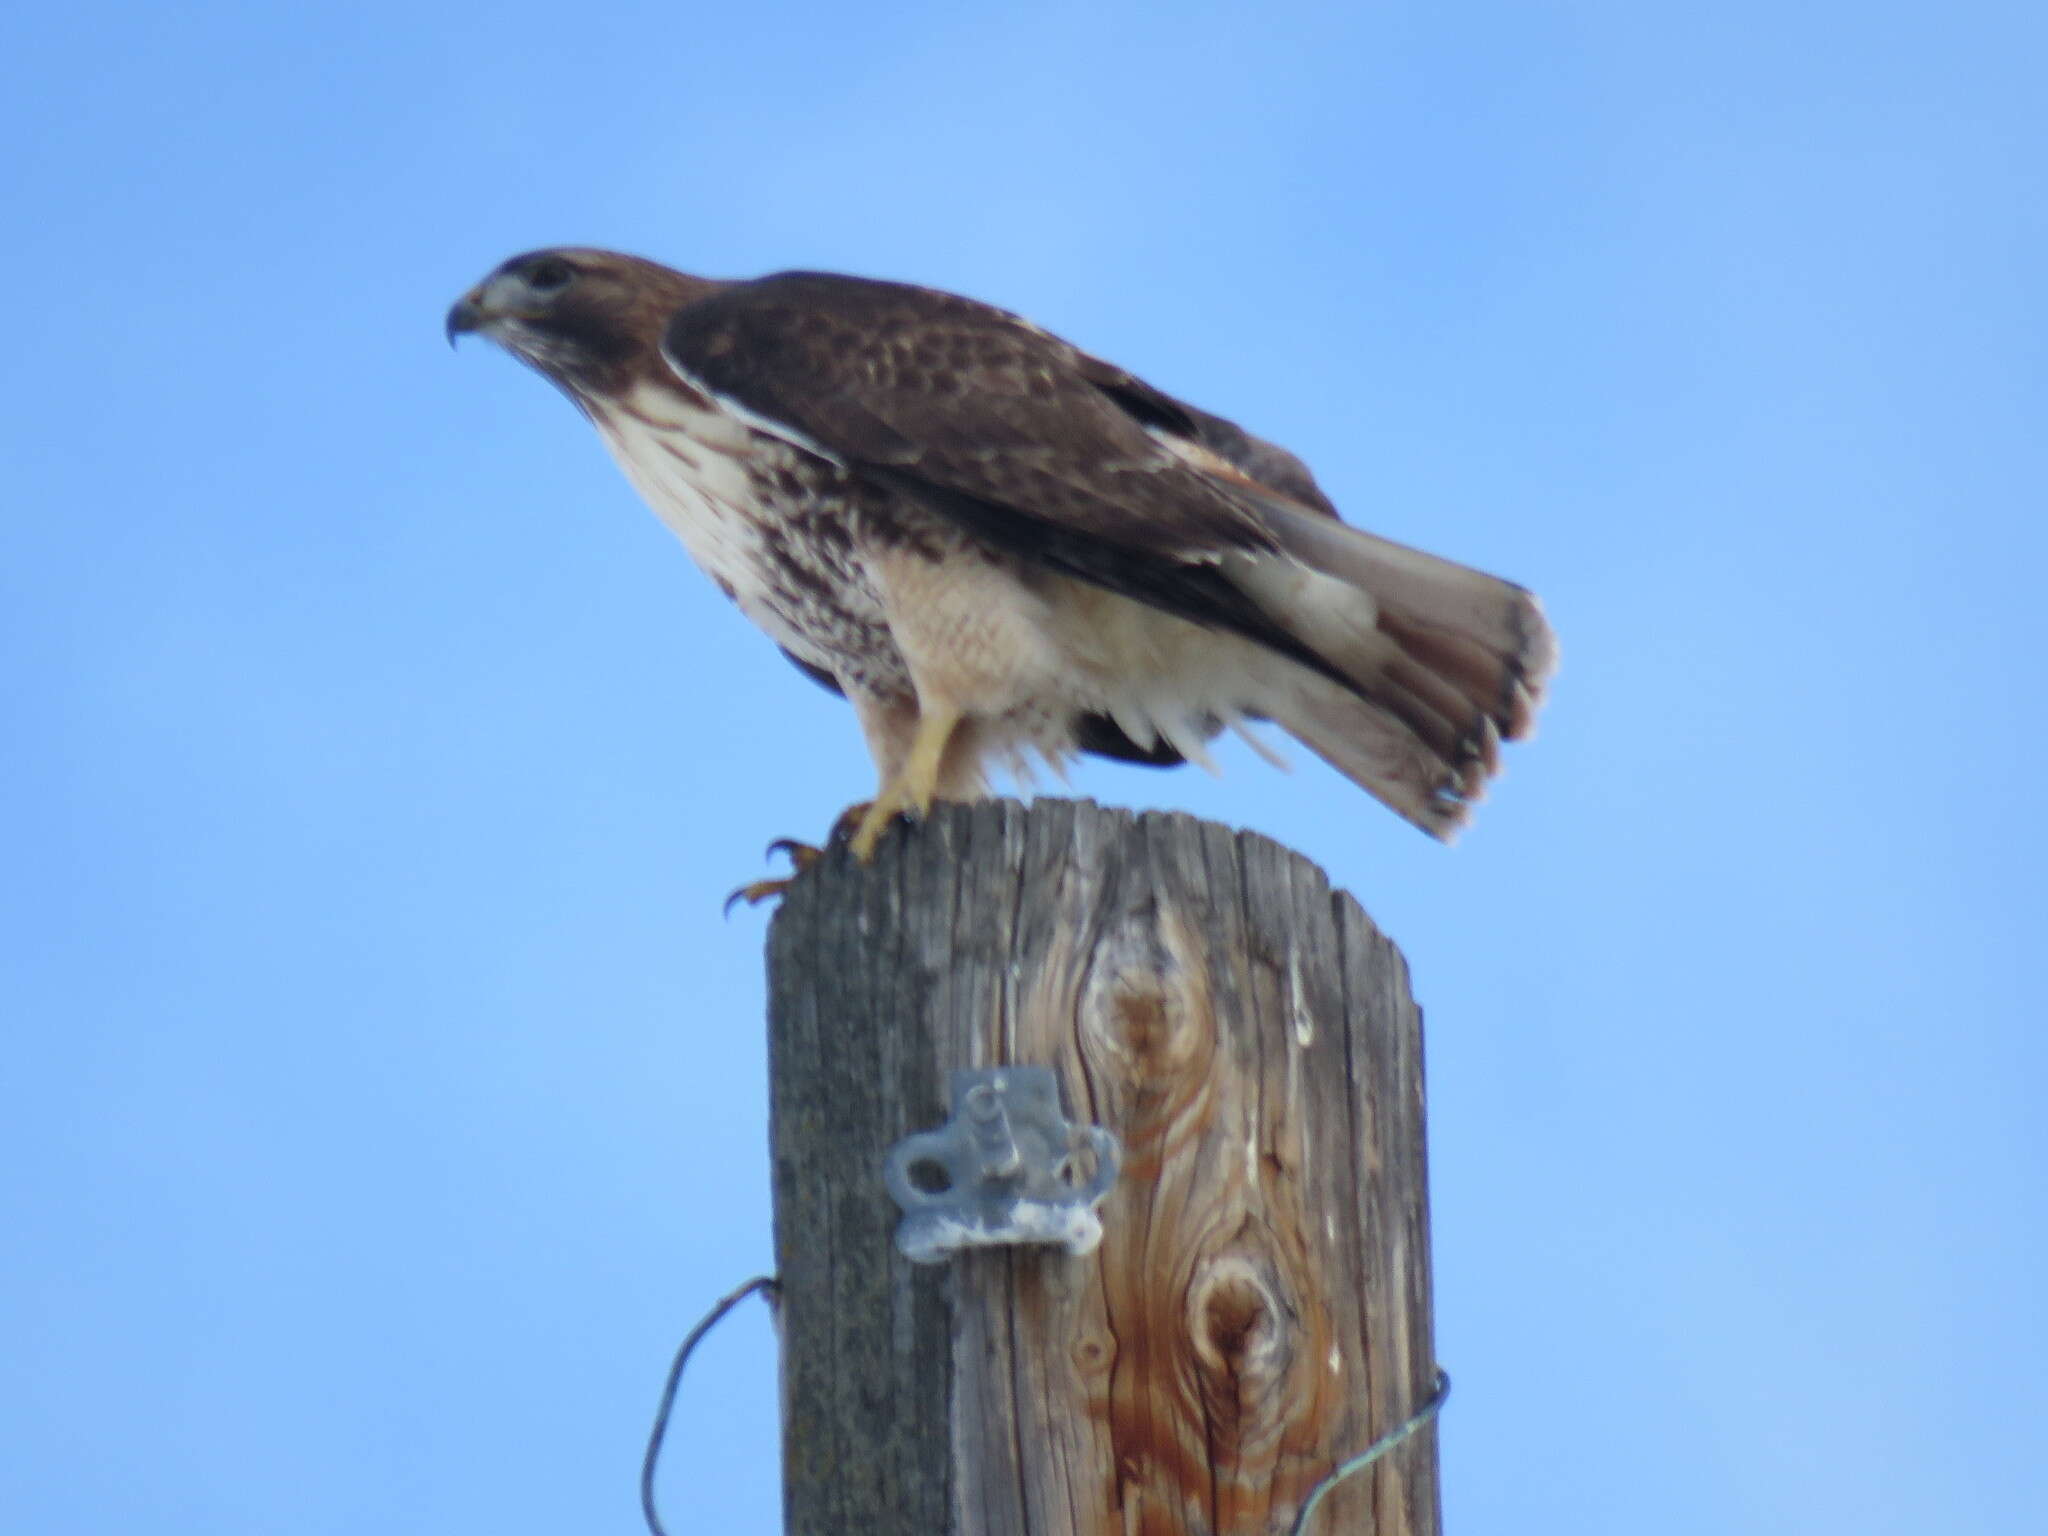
(384, 1093)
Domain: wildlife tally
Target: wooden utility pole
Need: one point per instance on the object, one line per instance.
(1259, 1309)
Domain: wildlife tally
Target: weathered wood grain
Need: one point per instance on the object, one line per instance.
(1260, 1306)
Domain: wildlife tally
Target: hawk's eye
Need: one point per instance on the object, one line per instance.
(550, 276)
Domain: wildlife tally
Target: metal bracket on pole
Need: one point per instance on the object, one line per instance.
(1001, 1171)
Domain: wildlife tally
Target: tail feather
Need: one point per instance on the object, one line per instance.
(1443, 663)
(1379, 753)
(1486, 679)
(1503, 619)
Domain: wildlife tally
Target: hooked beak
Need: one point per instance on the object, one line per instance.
(464, 316)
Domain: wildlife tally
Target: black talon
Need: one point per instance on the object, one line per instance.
(801, 857)
(754, 892)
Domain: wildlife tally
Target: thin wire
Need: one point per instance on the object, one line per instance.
(1375, 1451)
(675, 1379)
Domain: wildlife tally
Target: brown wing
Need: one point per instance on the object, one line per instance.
(1030, 443)
(1266, 465)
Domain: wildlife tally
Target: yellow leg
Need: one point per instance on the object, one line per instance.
(915, 786)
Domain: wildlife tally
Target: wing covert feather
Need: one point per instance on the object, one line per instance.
(965, 398)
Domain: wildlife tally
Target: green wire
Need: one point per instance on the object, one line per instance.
(1375, 1451)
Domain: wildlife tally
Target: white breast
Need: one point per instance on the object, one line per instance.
(686, 465)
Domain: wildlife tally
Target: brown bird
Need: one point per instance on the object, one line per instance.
(1001, 548)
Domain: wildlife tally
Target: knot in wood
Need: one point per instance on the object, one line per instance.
(1148, 994)
(1094, 1352)
(1153, 1039)
(1236, 1325)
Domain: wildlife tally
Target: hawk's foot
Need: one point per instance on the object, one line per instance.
(801, 857)
(911, 791)
(871, 820)
(847, 822)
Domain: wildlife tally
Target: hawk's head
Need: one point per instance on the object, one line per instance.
(589, 320)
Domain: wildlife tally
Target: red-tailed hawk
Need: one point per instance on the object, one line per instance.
(998, 547)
